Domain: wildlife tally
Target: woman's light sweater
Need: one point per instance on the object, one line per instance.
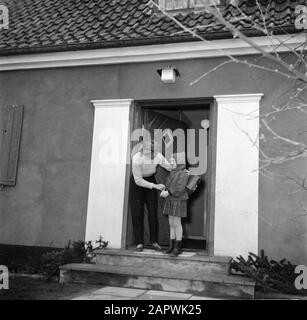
(143, 166)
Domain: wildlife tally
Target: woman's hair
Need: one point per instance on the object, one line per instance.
(150, 143)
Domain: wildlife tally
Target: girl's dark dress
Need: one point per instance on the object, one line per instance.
(176, 203)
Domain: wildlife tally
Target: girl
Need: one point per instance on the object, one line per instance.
(175, 206)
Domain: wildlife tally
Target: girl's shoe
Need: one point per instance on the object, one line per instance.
(156, 247)
(177, 249)
(139, 248)
(171, 246)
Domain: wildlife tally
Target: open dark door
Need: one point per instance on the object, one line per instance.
(195, 228)
(154, 120)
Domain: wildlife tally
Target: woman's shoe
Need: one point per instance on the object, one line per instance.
(177, 249)
(156, 247)
(171, 247)
(139, 248)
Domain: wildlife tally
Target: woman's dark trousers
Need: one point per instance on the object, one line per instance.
(138, 198)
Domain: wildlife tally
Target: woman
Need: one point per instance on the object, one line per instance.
(143, 188)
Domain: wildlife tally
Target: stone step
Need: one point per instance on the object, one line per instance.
(222, 286)
(187, 261)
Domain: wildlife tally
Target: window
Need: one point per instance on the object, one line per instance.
(10, 133)
(175, 4)
(185, 4)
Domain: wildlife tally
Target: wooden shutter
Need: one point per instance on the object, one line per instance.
(10, 133)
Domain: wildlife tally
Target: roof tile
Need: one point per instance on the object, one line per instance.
(59, 24)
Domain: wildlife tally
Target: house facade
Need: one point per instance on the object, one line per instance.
(85, 73)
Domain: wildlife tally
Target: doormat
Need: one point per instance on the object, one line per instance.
(156, 253)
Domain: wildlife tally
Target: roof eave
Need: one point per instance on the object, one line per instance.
(141, 42)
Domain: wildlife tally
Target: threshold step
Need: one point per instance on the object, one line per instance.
(143, 277)
(187, 261)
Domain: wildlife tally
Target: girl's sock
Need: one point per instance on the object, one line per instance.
(178, 228)
(172, 227)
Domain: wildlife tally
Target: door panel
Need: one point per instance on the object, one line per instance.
(194, 225)
(136, 122)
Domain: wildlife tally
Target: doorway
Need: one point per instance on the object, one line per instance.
(174, 115)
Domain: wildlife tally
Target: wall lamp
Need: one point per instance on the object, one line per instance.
(168, 74)
(205, 124)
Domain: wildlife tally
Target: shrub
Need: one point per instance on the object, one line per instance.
(269, 275)
(74, 252)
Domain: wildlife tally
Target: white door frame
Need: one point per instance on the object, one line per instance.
(108, 171)
(236, 177)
